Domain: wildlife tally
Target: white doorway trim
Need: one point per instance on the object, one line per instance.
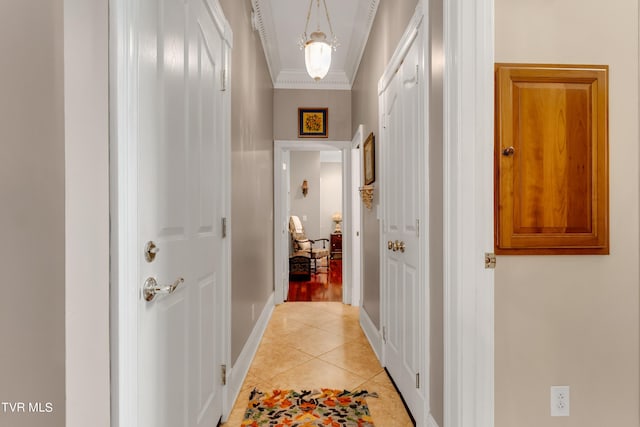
(468, 213)
(281, 219)
(356, 216)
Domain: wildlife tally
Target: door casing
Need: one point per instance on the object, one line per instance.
(281, 219)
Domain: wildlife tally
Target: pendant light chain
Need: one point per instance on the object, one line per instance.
(326, 11)
(306, 27)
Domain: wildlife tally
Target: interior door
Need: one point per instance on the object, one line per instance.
(404, 300)
(181, 198)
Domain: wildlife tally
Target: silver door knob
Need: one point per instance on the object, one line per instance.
(151, 288)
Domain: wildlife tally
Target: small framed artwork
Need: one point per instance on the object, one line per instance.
(313, 122)
(369, 152)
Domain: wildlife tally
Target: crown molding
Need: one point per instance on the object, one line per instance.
(263, 23)
(360, 38)
(296, 79)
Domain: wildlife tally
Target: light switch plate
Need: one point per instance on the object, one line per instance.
(560, 399)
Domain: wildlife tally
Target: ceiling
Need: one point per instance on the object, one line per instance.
(280, 24)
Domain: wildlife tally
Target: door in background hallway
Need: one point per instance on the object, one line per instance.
(181, 133)
(403, 291)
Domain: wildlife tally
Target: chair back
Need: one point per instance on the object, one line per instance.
(298, 237)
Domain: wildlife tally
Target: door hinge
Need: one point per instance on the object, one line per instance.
(418, 380)
(418, 227)
(223, 374)
(223, 77)
(489, 260)
(384, 334)
(224, 227)
(417, 74)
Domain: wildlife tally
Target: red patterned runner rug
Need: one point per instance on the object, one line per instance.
(324, 408)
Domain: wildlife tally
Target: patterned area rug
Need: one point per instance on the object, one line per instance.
(325, 408)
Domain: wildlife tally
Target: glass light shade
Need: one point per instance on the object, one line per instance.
(317, 56)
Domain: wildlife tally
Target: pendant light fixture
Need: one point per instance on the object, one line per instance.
(317, 49)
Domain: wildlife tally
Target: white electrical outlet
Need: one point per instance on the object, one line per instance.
(560, 399)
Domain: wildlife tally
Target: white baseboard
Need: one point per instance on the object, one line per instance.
(372, 333)
(431, 422)
(237, 374)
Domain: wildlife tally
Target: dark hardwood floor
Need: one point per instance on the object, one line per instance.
(322, 286)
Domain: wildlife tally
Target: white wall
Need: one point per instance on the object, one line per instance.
(330, 193)
(574, 320)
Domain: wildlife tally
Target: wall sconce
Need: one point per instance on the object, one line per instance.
(305, 188)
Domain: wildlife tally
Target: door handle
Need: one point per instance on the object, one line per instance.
(151, 288)
(390, 246)
(399, 246)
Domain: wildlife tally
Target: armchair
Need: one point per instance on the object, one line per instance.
(303, 246)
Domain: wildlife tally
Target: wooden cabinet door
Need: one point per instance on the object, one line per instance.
(551, 159)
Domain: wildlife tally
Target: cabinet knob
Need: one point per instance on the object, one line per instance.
(509, 151)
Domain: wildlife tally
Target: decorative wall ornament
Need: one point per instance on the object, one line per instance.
(366, 194)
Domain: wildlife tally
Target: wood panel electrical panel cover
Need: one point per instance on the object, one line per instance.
(551, 159)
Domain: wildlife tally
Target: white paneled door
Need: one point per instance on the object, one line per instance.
(181, 203)
(403, 288)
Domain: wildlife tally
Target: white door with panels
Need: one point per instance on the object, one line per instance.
(403, 236)
(182, 114)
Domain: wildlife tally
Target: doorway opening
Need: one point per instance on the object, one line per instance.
(315, 226)
(292, 160)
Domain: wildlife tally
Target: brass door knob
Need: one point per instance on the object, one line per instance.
(390, 245)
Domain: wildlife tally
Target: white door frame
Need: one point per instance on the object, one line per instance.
(356, 216)
(125, 253)
(468, 212)
(281, 219)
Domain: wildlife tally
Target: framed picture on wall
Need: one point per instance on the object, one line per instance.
(369, 153)
(313, 122)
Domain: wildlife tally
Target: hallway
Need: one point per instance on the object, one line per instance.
(320, 345)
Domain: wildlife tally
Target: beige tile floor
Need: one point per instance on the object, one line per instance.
(311, 345)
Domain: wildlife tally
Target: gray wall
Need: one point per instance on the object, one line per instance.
(32, 200)
(252, 175)
(574, 320)
(436, 279)
(389, 25)
(287, 101)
